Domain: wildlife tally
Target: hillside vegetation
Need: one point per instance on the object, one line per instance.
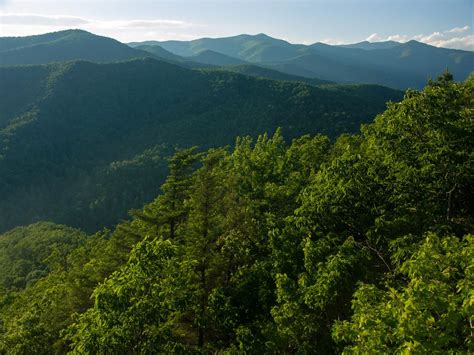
(361, 244)
(81, 143)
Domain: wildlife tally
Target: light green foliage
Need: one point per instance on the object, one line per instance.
(29, 253)
(134, 308)
(426, 141)
(364, 210)
(430, 312)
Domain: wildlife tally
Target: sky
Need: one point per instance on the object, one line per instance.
(443, 23)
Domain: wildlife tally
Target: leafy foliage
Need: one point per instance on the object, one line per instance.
(361, 245)
(29, 253)
(430, 313)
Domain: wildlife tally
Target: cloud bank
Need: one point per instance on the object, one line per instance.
(457, 38)
(21, 24)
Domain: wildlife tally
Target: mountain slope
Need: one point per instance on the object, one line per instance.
(64, 46)
(83, 142)
(160, 52)
(214, 58)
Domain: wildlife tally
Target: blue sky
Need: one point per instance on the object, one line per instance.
(446, 23)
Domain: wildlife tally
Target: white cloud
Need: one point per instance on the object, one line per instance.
(457, 38)
(332, 41)
(155, 24)
(40, 20)
(22, 24)
(397, 38)
(459, 29)
(374, 37)
(466, 42)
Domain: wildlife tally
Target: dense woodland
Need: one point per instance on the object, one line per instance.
(81, 143)
(360, 244)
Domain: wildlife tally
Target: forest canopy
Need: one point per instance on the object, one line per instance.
(362, 244)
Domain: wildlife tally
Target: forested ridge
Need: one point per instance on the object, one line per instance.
(357, 244)
(81, 142)
(62, 46)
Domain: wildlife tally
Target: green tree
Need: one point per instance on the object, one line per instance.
(169, 210)
(429, 311)
(134, 308)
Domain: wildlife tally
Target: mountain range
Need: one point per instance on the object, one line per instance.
(81, 45)
(85, 130)
(393, 64)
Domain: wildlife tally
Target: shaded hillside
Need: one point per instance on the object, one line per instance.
(214, 58)
(78, 133)
(160, 52)
(255, 70)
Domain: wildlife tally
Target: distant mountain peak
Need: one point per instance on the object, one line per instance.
(263, 35)
(321, 44)
(75, 30)
(416, 43)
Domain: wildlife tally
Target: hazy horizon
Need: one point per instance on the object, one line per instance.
(248, 34)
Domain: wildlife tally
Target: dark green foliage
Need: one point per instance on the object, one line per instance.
(262, 72)
(81, 143)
